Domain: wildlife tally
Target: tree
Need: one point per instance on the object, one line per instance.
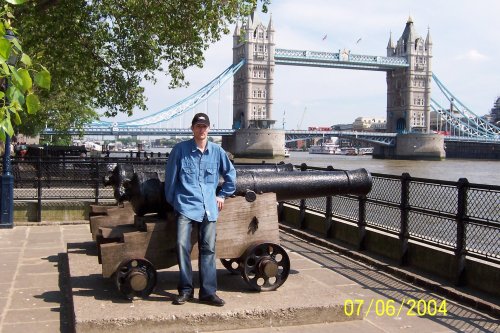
(99, 52)
(20, 78)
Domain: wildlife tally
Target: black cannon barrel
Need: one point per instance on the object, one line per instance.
(245, 168)
(123, 173)
(145, 189)
(146, 194)
(303, 185)
(142, 185)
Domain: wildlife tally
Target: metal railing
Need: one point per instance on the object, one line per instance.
(71, 178)
(455, 216)
(460, 217)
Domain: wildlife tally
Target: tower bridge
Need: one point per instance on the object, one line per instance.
(342, 59)
(409, 74)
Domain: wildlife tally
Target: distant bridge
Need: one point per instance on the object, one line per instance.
(457, 116)
(384, 139)
(342, 59)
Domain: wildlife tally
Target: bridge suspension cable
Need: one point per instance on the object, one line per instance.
(462, 118)
(182, 106)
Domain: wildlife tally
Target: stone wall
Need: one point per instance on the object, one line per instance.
(473, 150)
(255, 143)
(414, 146)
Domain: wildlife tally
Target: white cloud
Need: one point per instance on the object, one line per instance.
(472, 55)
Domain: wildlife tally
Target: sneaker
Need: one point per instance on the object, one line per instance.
(212, 300)
(183, 298)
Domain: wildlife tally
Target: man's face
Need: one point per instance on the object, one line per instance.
(200, 131)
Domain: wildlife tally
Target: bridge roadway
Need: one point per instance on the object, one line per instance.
(50, 272)
(385, 139)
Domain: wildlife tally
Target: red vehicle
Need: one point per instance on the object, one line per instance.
(21, 150)
(319, 128)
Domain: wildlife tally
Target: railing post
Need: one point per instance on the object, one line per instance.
(405, 209)
(463, 187)
(97, 180)
(47, 167)
(281, 210)
(329, 227)
(302, 215)
(302, 206)
(361, 222)
(39, 189)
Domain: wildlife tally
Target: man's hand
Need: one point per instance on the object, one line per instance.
(220, 203)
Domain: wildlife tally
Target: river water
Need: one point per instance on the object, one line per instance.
(476, 171)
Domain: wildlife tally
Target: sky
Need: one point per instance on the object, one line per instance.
(466, 58)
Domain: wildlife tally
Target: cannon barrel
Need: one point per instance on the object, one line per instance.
(123, 174)
(302, 185)
(144, 189)
(146, 194)
(269, 168)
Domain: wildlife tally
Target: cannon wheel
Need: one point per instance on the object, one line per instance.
(232, 265)
(265, 266)
(135, 277)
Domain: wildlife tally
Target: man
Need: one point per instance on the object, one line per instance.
(191, 179)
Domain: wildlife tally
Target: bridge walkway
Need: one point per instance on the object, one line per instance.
(37, 269)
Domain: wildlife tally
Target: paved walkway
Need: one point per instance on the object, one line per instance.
(34, 288)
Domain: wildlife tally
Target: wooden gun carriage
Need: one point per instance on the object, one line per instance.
(134, 243)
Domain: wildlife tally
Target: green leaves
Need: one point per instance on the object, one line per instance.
(22, 80)
(5, 47)
(42, 78)
(32, 103)
(26, 60)
(16, 76)
(98, 54)
(14, 95)
(6, 126)
(16, 2)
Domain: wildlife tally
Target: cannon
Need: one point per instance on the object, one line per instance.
(144, 187)
(247, 228)
(145, 190)
(290, 185)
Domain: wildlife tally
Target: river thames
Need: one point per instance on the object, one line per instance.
(476, 171)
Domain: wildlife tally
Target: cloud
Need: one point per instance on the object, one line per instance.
(472, 55)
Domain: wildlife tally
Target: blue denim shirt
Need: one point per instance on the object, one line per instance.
(191, 179)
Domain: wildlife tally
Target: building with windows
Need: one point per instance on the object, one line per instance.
(408, 89)
(369, 124)
(495, 112)
(255, 135)
(253, 84)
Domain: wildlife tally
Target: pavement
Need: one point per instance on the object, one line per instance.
(50, 282)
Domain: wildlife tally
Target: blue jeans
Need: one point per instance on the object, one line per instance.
(206, 259)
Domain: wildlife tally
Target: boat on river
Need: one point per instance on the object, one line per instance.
(348, 151)
(365, 151)
(328, 148)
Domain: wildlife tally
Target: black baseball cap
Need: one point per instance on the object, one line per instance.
(200, 118)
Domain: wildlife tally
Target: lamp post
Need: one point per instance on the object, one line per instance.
(7, 189)
(7, 179)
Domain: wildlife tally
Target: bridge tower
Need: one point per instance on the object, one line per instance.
(409, 89)
(408, 100)
(253, 84)
(253, 92)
